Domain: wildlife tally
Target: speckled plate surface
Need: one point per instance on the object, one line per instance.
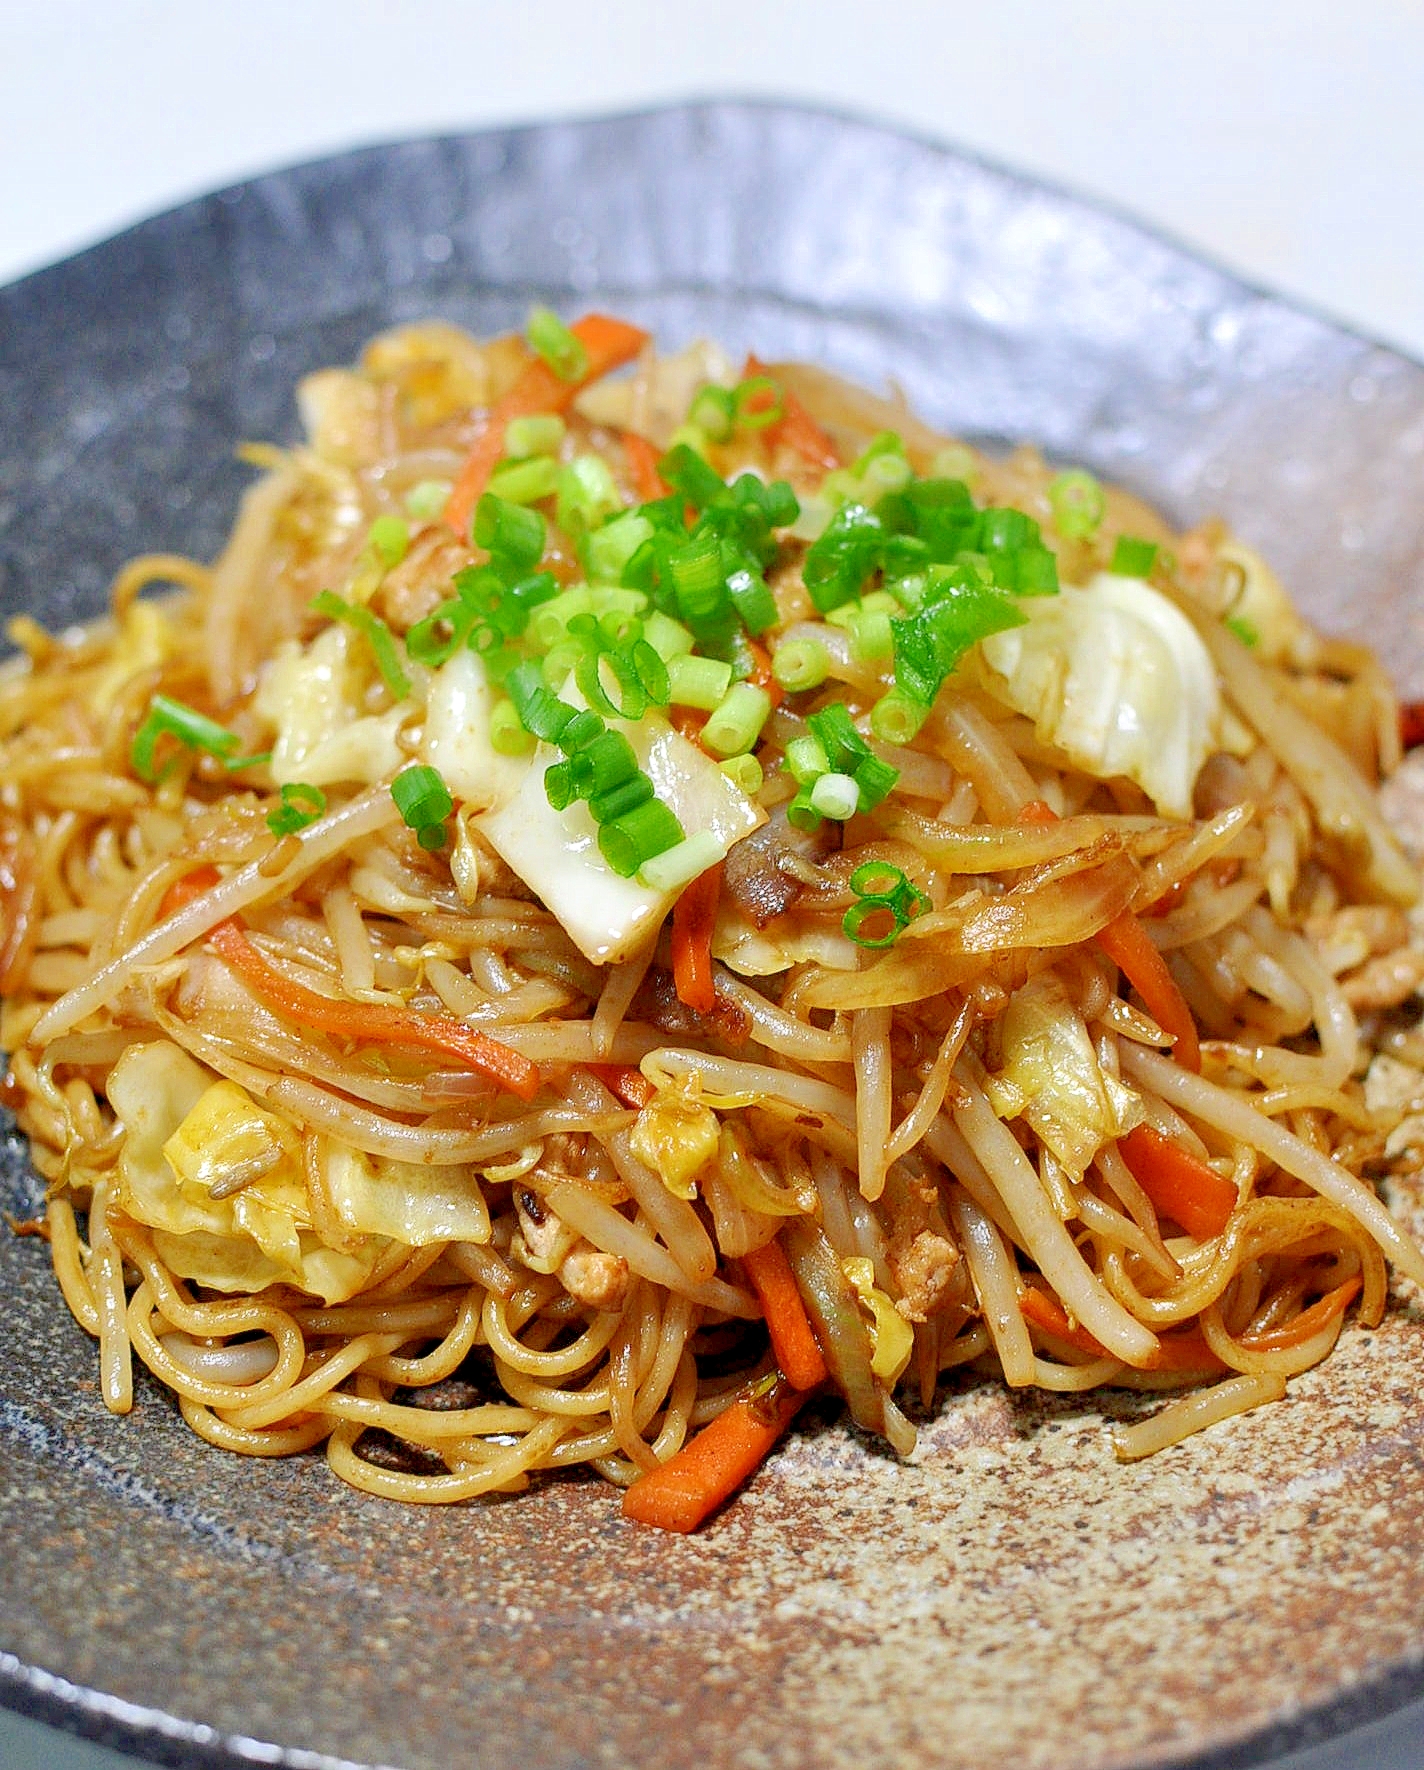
(1012, 1598)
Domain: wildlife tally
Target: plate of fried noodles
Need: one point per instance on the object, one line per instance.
(711, 971)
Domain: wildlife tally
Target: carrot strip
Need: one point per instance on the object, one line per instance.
(642, 459)
(630, 1085)
(693, 917)
(1411, 724)
(1175, 1352)
(1179, 1184)
(1308, 1322)
(709, 1468)
(609, 343)
(1130, 948)
(796, 427)
(762, 675)
(373, 1022)
(798, 1355)
(183, 891)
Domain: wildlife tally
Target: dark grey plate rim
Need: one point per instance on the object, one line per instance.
(1389, 1707)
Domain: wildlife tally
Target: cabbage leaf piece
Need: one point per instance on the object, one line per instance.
(1117, 679)
(185, 1132)
(1052, 1078)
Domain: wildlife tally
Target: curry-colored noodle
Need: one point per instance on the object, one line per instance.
(624, 898)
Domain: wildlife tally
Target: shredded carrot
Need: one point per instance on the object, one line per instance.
(183, 891)
(630, 1085)
(609, 342)
(688, 722)
(366, 1022)
(1411, 724)
(1037, 811)
(693, 917)
(1127, 943)
(642, 459)
(1308, 1322)
(762, 675)
(1179, 1184)
(798, 1356)
(796, 427)
(1175, 1352)
(374, 1022)
(710, 1468)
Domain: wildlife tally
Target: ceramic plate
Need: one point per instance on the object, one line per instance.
(1011, 1598)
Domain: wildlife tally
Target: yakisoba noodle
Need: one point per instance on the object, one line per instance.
(641, 889)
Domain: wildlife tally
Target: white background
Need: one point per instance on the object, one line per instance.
(1286, 137)
(1283, 137)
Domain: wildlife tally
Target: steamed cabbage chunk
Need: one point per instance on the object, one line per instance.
(1051, 1077)
(1115, 676)
(188, 1131)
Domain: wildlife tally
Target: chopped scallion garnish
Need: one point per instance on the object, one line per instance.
(1077, 502)
(424, 801)
(1132, 556)
(836, 796)
(735, 725)
(552, 340)
(800, 664)
(682, 863)
(190, 728)
(376, 634)
(538, 434)
(300, 805)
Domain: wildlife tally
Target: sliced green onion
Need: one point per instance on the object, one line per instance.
(752, 598)
(1132, 556)
(619, 800)
(582, 730)
(800, 664)
(745, 772)
(698, 682)
(194, 730)
(376, 634)
(802, 815)
(683, 862)
(691, 436)
(609, 548)
(686, 472)
(548, 624)
(1243, 629)
(424, 801)
(871, 910)
(631, 841)
(833, 727)
(835, 796)
(301, 805)
(874, 779)
(388, 538)
(539, 710)
(538, 434)
(668, 638)
(426, 500)
(598, 673)
(736, 724)
(806, 759)
(757, 403)
(871, 638)
(506, 734)
(512, 533)
(713, 411)
(1077, 502)
(552, 340)
(613, 600)
(587, 493)
(525, 482)
(607, 761)
(896, 718)
(444, 631)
